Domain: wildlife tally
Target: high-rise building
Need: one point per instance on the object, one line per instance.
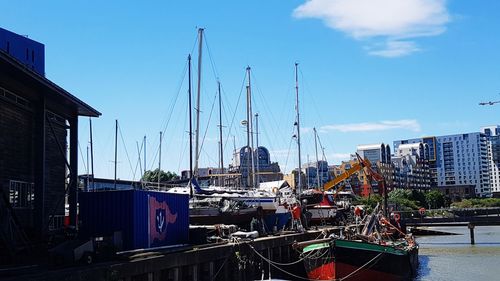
(379, 156)
(492, 133)
(375, 153)
(458, 163)
(264, 169)
(411, 166)
(312, 169)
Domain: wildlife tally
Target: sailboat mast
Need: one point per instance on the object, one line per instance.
(221, 168)
(159, 161)
(116, 150)
(88, 168)
(257, 142)
(307, 172)
(144, 155)
(196, 151)
(249, 130)
(317, 160)
(91, 150)
(297, 123)
(139, 160)
(190, 128)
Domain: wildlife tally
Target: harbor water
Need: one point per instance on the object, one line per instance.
(454, 258)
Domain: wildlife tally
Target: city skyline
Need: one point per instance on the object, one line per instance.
(397, 79)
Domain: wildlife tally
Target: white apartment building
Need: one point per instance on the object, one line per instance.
(459, 163)
(374, 153)
(492, 134)
(411, 166)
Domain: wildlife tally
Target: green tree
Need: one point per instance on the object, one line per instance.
(477, 203)
(419, 197)
(152, 176)
(369, 202)
(403, 199)
(434, 199)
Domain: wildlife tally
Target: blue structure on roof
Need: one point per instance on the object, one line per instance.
(29, 52)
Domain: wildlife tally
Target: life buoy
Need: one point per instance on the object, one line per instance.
(397, 217)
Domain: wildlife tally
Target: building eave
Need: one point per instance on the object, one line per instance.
(82, 109)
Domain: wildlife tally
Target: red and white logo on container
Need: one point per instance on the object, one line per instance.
(159, 218)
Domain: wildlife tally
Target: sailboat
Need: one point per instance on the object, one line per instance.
(218, 204)
(305, 196)
(249, 195)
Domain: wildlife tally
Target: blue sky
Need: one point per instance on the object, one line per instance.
(370, 71)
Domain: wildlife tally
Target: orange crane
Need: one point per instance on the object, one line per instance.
(362, 164)
(371, 174)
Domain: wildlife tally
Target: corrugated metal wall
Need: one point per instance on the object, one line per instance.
(146, 218)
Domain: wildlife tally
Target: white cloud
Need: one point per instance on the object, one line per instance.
(385, 21)
(394, 49)
(305, 130)
(405, 124)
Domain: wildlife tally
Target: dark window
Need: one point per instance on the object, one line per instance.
(27, 54)
(8, 47)
(32, 55)
(21, 194)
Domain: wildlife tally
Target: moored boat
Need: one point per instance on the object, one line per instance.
(381, 251)
(342, 259)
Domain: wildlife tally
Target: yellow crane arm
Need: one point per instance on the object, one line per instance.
(356, 167)
(340, 178)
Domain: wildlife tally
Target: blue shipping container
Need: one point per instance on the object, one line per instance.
(145, 218)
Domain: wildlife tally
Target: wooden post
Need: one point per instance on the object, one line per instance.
(39, 169)
(156, 275)
(73, 173)
(471, 229)
(175, 273)
(211, 269)
(194, 272)
(280, 254)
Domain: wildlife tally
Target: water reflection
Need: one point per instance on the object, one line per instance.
(423, 270)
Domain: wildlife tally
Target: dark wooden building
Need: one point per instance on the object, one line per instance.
(38, 122)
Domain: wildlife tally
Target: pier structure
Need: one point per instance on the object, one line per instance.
(470, 218)
(239, 259)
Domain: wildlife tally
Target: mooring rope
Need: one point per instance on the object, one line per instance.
(276, 265)
(362, 267)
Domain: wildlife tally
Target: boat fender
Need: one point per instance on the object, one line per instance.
(357, 212)
(275, 190)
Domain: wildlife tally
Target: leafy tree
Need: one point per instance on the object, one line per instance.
(369, 202)
(152, 176)
(420, 197)
(478, 203)
(434, 199)
(403, 199)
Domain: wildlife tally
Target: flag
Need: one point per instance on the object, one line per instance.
(159, 218)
